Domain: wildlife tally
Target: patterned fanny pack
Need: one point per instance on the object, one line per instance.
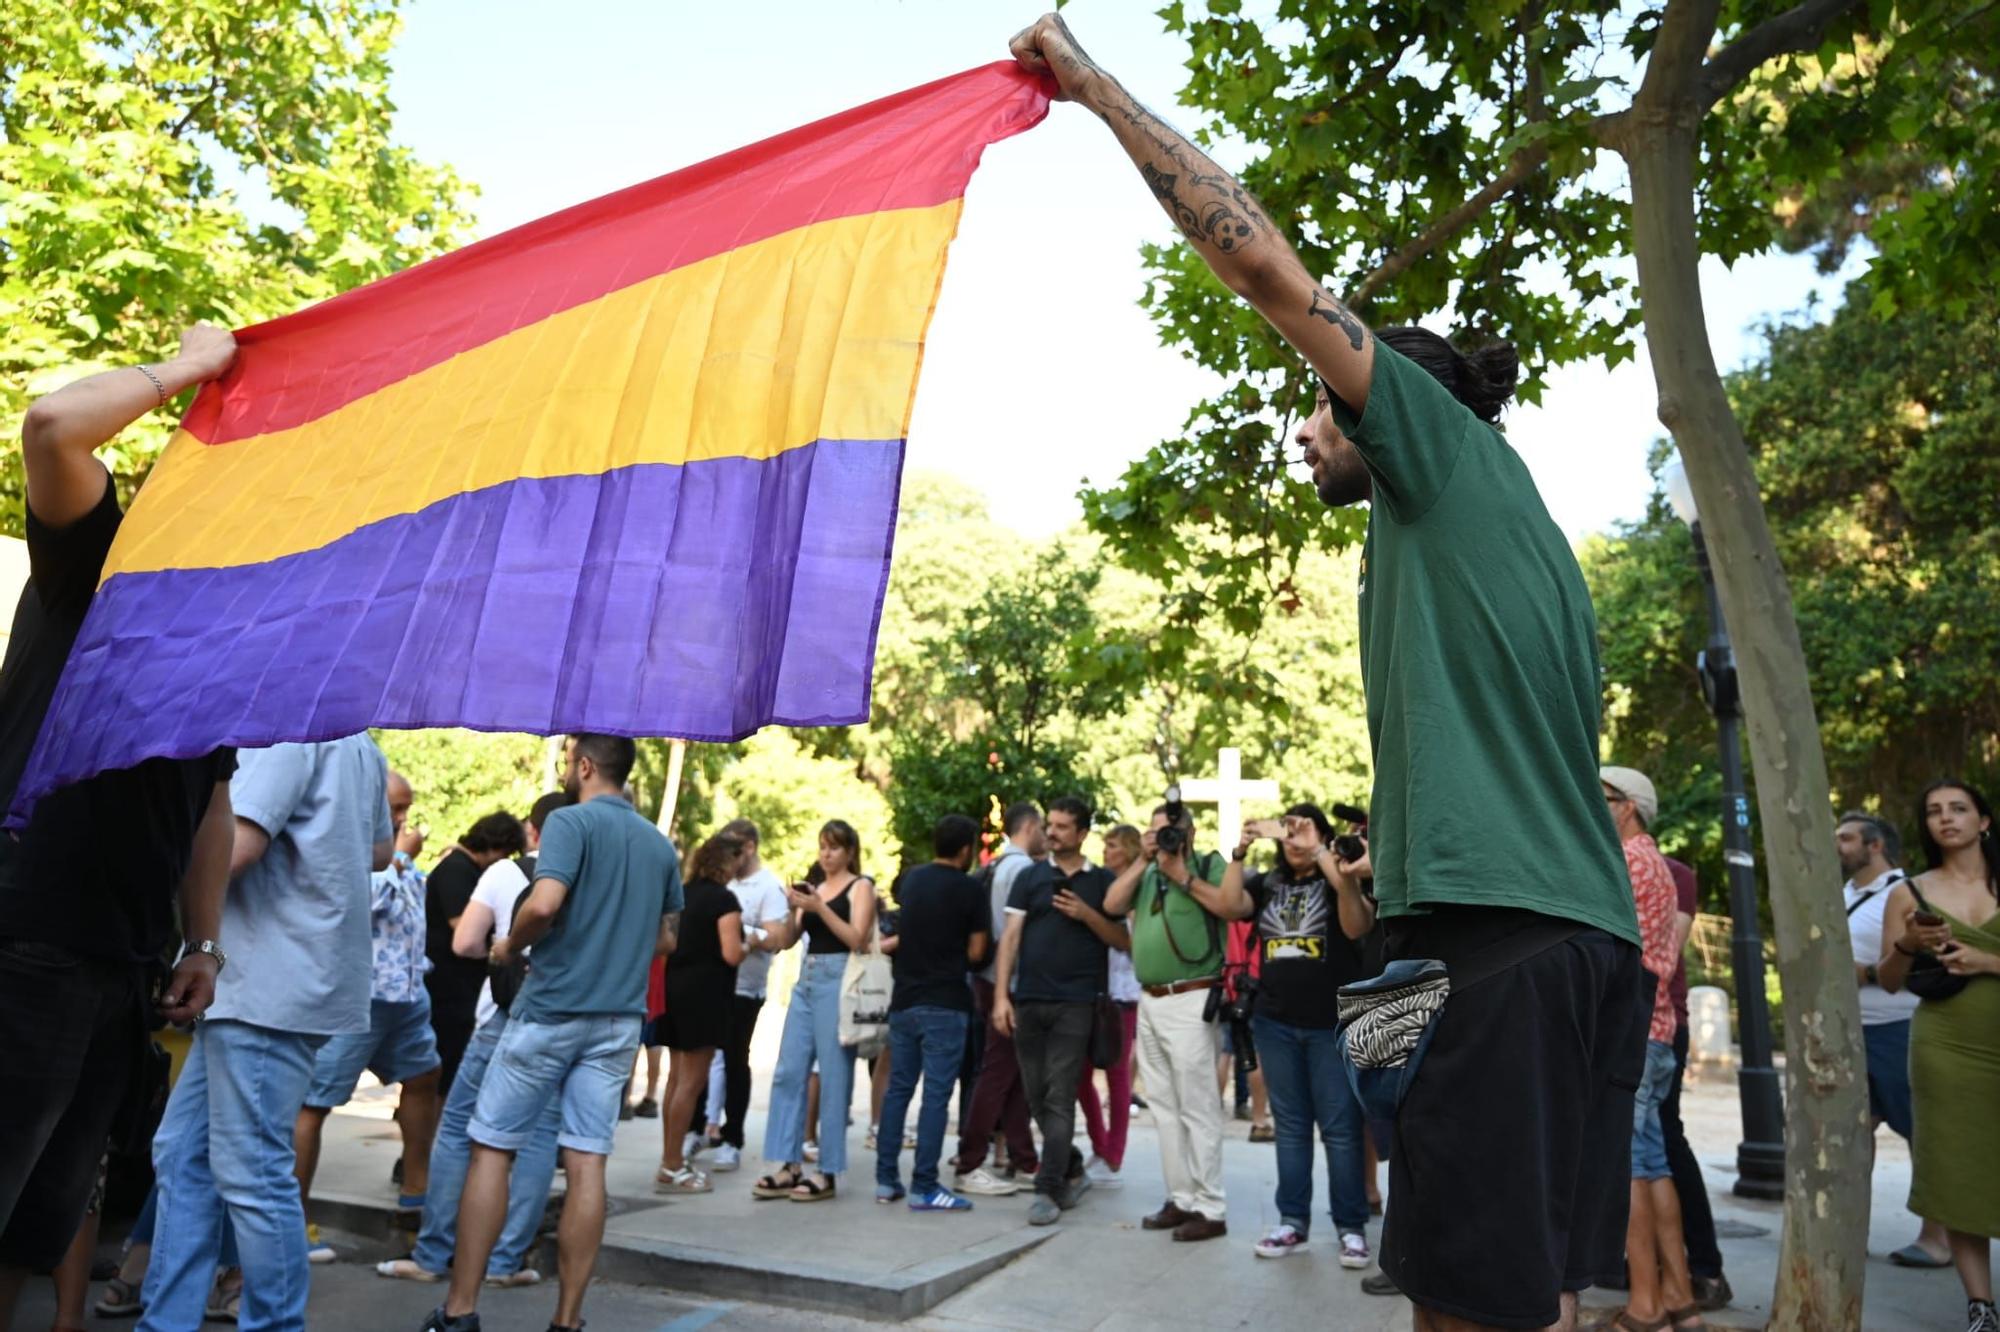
(1385, 1026)
(1387, 1022)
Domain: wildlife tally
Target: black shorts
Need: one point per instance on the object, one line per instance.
(73, 1030)
(1512, 1167)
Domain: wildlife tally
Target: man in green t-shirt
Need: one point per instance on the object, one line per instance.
(1492, 845)
(1178, 908)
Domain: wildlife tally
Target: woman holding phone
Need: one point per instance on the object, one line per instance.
(1951, 912)
(835, 911)
(1311, 913)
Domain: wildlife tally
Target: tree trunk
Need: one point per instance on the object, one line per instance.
(1827, 1140)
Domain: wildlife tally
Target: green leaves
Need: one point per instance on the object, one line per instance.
(161, 164)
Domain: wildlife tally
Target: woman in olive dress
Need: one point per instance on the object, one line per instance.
(1952, 912)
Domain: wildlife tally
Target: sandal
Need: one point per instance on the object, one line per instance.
(119, 1300)
(1677, 1319)
(685, 1180)
(1263, 1133)
(1621, 1320)
(778, 1184)
(225, 1298)
(817, 1189)
(527, 1276)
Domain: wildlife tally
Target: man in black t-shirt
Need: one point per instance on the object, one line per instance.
(941, 934)
(87, 885)
(1053, 967)
(454, 982)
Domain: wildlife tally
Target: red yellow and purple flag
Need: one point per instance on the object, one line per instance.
(630, 468)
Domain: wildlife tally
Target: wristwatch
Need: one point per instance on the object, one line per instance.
(1869, 974)
(209, 946)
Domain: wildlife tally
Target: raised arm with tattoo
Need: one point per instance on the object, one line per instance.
(1227, 227)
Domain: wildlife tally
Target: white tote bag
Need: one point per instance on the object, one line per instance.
(864, 1000)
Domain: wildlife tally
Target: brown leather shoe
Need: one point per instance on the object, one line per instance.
(1200, 1228)
(1168, 1217)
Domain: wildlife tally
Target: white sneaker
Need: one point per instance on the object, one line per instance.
(1353, 1249)
(985, 1183)
(1282, 1242)
(1102, 1175)
(691, 1145)
(317, 1252)
(726, 1158)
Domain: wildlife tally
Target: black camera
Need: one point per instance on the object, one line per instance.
(1172, 840)
(1232, 1004)
(1347, 846)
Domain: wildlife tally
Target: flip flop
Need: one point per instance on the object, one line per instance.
(1913, 1255)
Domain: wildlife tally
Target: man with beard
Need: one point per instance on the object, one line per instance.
(1479, 661)
(606, 900)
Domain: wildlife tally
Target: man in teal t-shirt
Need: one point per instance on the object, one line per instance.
(1492, 843)
(606, 900)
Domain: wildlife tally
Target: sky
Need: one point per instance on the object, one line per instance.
(1041, 372)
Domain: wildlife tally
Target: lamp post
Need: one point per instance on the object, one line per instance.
(1760, 1157)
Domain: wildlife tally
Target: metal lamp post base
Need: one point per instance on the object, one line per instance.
(1760, 1171)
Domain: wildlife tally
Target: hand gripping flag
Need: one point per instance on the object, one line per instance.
(630, 468)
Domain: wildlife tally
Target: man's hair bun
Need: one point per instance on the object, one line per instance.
(1483, 380)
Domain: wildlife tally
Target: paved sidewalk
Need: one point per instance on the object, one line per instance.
(1098, 1269)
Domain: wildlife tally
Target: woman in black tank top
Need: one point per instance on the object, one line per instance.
(835, 911)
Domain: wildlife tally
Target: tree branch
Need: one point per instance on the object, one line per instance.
(1519, 169)
(1800, 28)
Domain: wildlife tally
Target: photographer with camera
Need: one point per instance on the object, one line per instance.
(1311, 912)
(1177, 901)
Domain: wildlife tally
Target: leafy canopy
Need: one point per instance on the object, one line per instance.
(206, 159)
(1448, 163)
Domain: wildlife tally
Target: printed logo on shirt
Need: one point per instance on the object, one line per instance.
(1293, 922)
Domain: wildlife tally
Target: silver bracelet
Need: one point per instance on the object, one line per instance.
(158, 387)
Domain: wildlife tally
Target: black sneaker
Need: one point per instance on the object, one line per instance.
(1712, 1293)
(1980, 1316)
(1379, 1283)
(440, 1321)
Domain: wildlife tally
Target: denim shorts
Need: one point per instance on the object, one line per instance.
(398, 1045)
(1649, 1139)
(586, 1061)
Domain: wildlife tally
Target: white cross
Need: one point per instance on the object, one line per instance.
(1228, 790)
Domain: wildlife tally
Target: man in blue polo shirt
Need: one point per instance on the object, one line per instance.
(606, 901)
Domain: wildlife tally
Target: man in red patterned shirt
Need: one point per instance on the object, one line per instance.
(1655, 1254)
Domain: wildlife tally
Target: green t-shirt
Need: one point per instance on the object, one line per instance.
(1479, 661)
(1160, 907)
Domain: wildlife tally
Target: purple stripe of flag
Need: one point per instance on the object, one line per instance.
(702, 600)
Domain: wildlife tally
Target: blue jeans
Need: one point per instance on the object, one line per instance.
(527, 1186)
(930, 1041)
(812, 1032)
(1649, 1140)
(1307, 1086)
(142, 1230)
(223, 1157)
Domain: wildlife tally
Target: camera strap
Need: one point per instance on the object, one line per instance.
(1167, 923)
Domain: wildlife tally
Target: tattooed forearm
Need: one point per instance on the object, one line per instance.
(1204, 201)
(1327, 308)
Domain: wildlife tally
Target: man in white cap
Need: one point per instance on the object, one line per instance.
(1656, 1255)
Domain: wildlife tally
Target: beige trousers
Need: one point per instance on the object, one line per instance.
(1177, 1054)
